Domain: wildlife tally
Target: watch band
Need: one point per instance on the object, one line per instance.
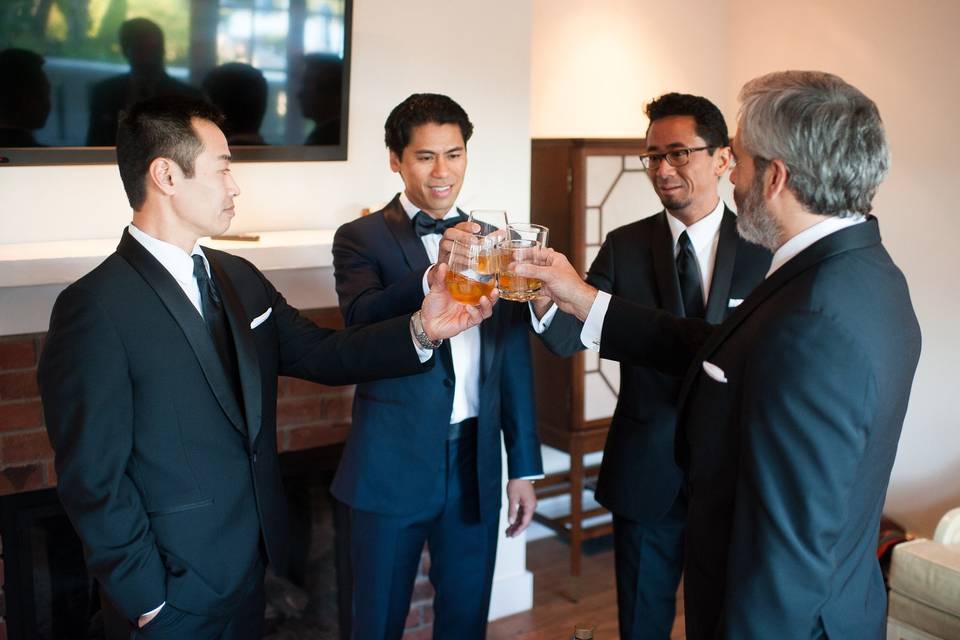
(416, 325)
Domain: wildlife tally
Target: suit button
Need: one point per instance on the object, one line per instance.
(254, 457)
(447, 382)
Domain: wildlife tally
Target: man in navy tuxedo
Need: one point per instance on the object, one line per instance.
(689, 260)
(159, 387)
(791, 409)
(423, 459)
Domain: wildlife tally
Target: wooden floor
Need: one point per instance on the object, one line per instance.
(554, 615)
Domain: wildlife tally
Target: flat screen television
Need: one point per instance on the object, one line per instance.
(279, 70)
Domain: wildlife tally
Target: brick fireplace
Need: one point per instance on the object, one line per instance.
(309, 416)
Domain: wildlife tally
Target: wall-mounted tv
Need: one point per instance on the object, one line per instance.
(278, 69)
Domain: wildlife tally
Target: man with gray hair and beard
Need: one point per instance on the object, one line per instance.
(791, 410)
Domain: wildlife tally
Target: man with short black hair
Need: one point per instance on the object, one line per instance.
(791, 410)
(159, 387)
(688, 260)
(423, 459)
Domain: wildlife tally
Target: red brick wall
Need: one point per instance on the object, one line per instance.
(308, 415)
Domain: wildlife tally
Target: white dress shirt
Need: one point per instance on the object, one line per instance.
(465, 347)
(704, 235)
(807, 237)
(175, 261)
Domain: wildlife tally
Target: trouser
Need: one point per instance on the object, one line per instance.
(385, 551)
(649, 563)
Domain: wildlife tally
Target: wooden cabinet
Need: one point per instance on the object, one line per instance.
(581, 189)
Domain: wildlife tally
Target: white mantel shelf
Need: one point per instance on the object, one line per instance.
(63, 262)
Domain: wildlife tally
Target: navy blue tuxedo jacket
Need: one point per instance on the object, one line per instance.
(169, 478)
(397, 441)
(788, 459)
(639, 478)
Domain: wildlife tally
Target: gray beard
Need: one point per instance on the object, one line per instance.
(754, 222)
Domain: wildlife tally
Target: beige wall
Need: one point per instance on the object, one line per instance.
(594, 64)
(396, 51)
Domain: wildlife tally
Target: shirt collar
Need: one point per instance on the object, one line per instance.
(807, 237)
(173, 258)
(411, 209)
(702, 232)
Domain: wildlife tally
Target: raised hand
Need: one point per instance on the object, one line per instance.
(443, 317)
(462, 232)
(561, 282)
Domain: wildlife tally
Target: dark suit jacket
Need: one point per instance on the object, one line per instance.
(169, 479)
(397, 441)
(788, 462)
(639, 478)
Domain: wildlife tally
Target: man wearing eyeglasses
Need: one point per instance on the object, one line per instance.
(688, 260)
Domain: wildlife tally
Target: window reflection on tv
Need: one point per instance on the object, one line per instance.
(276, 68)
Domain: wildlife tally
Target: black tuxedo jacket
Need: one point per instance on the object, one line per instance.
(398, 436)
(788, 444)
(639, 478)
(170, 480)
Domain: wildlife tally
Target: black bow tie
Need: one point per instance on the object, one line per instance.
(424, 224)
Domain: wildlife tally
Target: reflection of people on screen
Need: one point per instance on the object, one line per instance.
(24, 97)
(141, 41)
(240, 92)
(320, 96)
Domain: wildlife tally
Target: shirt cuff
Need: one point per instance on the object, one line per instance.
(539, 476)
(542, 324)
(593, 325)
(426, 281)
(423, 354)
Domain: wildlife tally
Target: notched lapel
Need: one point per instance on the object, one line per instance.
(402, 229)
(190, 322)
(665, 267)
(720, 284)
(247, 361)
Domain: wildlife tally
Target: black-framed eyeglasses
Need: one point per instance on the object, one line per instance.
(674, 157)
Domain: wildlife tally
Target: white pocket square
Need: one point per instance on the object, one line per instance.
(260, 319)
(714, 372)
(734, 302)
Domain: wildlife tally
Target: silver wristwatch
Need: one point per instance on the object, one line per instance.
(416, 326)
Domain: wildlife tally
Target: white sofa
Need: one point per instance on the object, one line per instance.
(925, 585)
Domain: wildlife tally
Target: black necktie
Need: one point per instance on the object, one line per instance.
(425, 224)
(688, 271)
(216, 321)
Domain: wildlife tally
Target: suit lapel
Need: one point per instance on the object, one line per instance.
(726, 258)
(415, 255)
(665, 267)
(402, 229)
(247, 360)
(190, 322)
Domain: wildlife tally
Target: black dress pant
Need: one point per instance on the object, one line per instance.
(649, 563)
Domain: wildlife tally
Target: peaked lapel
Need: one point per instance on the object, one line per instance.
(247, 360)
(723, 265)
(402, 229)
(859, 236)
(190, 322)
(665, 267)
(415, 255)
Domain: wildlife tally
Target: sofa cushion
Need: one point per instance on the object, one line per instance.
(928, 572)
(915, 615)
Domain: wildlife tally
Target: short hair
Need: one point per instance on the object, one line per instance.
(240, 92)
(710, 124)
(21, 71)
(419, 109)
(827, 133)
(160, 127)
